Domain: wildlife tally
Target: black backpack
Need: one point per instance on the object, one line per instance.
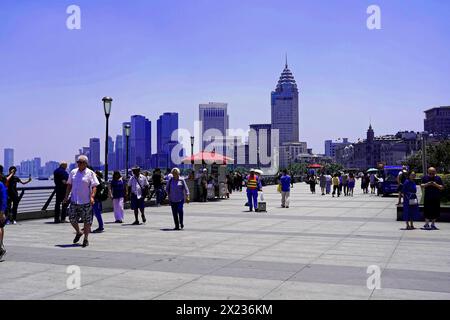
(102, 192)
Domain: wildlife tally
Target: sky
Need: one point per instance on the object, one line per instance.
(155, 56)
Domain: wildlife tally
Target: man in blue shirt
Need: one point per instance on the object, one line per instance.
(60, 176)
(285, 182)
(3, 205)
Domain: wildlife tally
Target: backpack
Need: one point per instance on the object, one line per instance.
(103, 193)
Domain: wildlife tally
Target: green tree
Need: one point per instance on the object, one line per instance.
(438, 156)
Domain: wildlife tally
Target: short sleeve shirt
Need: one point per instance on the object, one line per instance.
(82, 184)
(432, 192)
(137, 184)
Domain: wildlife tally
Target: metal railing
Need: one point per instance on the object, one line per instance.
(36, 199)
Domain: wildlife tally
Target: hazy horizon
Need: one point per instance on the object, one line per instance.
(172, 56)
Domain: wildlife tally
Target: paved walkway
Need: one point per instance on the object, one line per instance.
(319, 248)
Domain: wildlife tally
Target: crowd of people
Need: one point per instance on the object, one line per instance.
(79, 194)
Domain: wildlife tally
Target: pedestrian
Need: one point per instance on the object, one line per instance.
(60, 177)
(322, 183)
(82, 187)
(344, 180)
(285, 182)
(312, 183)
(230, 183)
(118, 194)
(400, 180)
(13, 194)
(410, 201)
(139, 187)
(351, 184)
(432, 185)
(292, 178)
(3, 206)
(328, 179)
(253, 185)
(203, 181)
(157, 181)
(177, 191)
(100, 196)
(336, 183)
(372, 181)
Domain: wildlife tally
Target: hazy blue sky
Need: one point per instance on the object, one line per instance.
(156, 56)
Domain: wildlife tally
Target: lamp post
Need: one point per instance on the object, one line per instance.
(424, 151)
(107, 102)
(127, 134)
(192, 151)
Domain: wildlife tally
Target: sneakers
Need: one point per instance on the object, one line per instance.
(427, 226)
(176, 228)
(77, 238)
(2, 252)
(433, 227)
(144, 220)
(98, 230)
(182, 226)
(13, 222)
(85, 243)
(136, 223)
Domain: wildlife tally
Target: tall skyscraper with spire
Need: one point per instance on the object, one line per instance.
(285, 110)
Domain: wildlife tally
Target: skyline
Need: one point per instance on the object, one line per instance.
(153, 59)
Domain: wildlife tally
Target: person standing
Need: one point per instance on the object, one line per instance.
(253, 184)
(203, 181)
(285, 182)
(372, 181)
(60, 177)
(351, 184)
(410, 201)
(322, 183)
(432, 185)
(82, 187)
(177, 191)
(336, 183)
(400, 180)
(3, 205)
(117, 194)
(100, 196)
(344, 180)
(13, 195)
(230, 183)
(157, 181)
(138, 184)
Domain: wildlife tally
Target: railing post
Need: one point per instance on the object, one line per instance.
(44, 208)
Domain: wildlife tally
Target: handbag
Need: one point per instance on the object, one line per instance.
(144, 190)
(413, 202)
(279, 188)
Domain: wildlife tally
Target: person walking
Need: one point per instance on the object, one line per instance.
(336, 183)
(322, 183)
(253, 185)
(139, 186)
(100, 196)
(60, 177)
(82, 187)
(13, 194)
(432, 185)
(3, 206)
(344, 180)
(157, 181)
(230, 183)
(351, 184)
(328, 181)
(285, 182)
(312, 183)
(203, 182)
(118, 194)
(410, 201)
(177, 191)
(372, 181)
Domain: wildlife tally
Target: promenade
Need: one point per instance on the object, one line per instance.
(319, 248)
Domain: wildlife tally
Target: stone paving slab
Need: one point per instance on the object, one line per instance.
(319, 248)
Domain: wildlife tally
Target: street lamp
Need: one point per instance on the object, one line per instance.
(107, 102)
(127, 134)
(192, 151)
(424, 151)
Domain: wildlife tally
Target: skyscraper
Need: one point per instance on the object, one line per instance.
(119, 164)
(213, 116)
(166, 125)
(111, 154)
(8, 160)
(124, 146)
(140, 141)
(285, 108)
(94, 150)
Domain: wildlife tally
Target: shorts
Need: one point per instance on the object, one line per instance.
(137, 203)
(81, 212)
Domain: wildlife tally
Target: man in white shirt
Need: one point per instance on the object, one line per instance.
(139, 187)
(82, 186)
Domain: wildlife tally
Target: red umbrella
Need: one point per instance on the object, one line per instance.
(208, 157)
(315, 166)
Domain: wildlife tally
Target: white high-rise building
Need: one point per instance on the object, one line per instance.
(214, 123)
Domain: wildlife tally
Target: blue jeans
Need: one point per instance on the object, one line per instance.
(97, 209)
(252, 196)
(159, 194)
(177, 212)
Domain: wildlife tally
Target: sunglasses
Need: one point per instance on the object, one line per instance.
(80, 162)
